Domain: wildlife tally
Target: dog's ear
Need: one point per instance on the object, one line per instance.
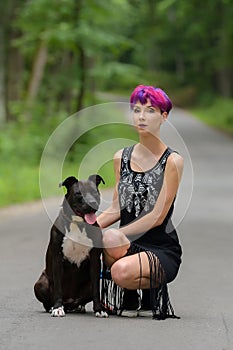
(68, 182)
(97, 179)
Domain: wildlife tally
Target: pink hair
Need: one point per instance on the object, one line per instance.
(157, 97)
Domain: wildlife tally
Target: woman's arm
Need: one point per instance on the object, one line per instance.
(112, 213)
(172, 177)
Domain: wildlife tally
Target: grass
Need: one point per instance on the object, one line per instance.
(218, 114)
(18, 183)
(21, 148)
(21, 169)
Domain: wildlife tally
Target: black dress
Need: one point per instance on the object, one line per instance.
(138, 193)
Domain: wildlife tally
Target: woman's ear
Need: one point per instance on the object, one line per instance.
(164, 115)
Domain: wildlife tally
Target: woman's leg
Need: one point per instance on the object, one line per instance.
(115, 246)
(133, 272)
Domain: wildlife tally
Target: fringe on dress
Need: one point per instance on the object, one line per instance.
(112, 294)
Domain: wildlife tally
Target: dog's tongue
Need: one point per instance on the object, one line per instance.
(90, 218)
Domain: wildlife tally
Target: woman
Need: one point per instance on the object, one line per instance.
(144, 253)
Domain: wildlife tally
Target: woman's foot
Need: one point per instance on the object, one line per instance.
(130, 304)
(145, 313)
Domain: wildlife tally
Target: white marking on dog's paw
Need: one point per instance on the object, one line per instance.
(102, 314)
(59, 312)
(81, 309)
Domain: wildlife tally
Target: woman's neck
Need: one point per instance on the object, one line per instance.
(152, 143)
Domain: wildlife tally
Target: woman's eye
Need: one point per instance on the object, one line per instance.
(150, 110)
(137, 110)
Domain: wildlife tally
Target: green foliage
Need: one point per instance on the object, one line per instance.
(184, 47)
(18, 182)
(217, 114)
(171, 43)
(118, 75)
(21, 148)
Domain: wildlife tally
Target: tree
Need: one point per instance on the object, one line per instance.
(65, 52)
(74, 31)
(5, 10)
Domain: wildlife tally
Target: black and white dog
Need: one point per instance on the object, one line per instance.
(72, 273)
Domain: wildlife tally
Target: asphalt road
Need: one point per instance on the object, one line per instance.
(202, 294)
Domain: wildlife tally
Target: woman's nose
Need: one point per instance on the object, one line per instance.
(141, 115)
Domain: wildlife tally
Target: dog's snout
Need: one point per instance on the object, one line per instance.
(93, 205)
(91, 201)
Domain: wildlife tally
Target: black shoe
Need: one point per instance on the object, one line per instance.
(145, 309)
(130, 299)
(146, 305)
(130, 303)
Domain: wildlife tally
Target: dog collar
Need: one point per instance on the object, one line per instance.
(74, 218)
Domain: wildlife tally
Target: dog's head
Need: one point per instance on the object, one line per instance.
(82, 197)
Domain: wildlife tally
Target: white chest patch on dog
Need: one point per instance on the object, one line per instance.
(76, 245)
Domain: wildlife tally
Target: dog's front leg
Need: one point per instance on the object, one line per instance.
(58, 309)
(95, 281)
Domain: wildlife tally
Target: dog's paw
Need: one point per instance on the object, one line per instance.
(58, 312)
(101, 314)
(81, 309)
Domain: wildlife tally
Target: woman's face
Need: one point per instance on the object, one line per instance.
(147, 119)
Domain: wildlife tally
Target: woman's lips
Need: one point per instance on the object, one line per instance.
(142, 125)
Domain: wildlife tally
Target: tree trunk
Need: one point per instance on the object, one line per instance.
(3, 99)
(37, 75)
(82, 68)
(225, 82)
(224, 66)
(15, 71)
(6, 9)
(224, 72)
(153, 52)
(180, 67)
(82, 60)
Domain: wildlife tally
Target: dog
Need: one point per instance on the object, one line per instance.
(71, 277)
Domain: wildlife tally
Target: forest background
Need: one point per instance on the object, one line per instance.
(58, 56)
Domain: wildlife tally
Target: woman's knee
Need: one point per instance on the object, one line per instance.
(115, 244)
(120, 273)
(113, 238)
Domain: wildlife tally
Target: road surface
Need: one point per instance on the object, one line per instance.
(202, 294)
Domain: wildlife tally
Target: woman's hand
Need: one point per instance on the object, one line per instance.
(112, 214)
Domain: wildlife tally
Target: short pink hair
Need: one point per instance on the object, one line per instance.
(157, 97)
